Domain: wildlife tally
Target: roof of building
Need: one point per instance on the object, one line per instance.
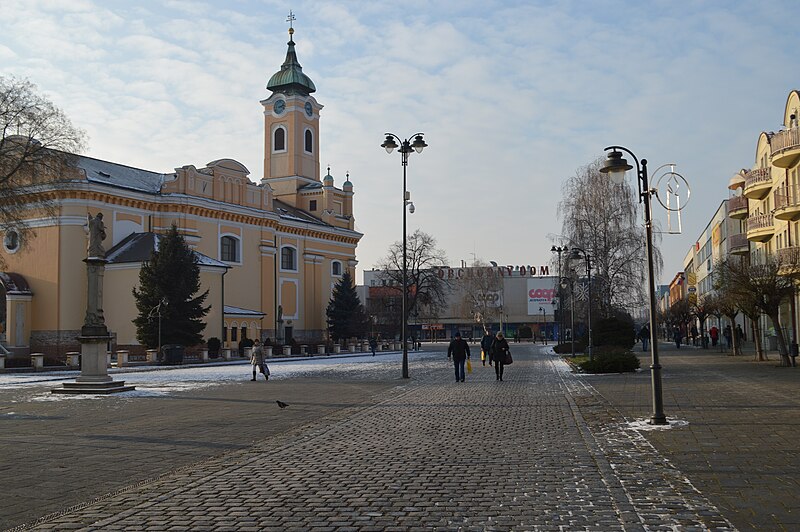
(238, 311)
(119, 175)
(290, 78)
(287, 212)
(139, 247)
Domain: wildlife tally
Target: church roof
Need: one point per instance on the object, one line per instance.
(119, 175)
(290, 78)
(139, 247)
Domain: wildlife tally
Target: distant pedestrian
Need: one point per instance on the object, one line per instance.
(676, 335)
(728, 335)
(694, 334)
(644, 336)
(459, 350)
(373, 344)
(499, 350)
(739, 338)
(486, 347)
(257, 360)
(714, 334)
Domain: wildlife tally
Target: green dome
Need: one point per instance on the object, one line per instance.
(290, 78)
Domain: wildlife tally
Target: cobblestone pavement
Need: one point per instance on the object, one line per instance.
(741, 446)
(480, 455)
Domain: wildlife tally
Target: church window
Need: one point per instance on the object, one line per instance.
(336, 268)
(11, 241)
(229, 249)
(279, 139)
(312, 205)
(288, 258)
(309, 141)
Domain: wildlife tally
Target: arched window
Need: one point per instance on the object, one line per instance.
(288, 258)
(11, 241)
(279, 139)
(229, 249)
(309, 141)
(336, 268)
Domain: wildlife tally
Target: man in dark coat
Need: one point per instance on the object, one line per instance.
(459, 350)
(486, 347)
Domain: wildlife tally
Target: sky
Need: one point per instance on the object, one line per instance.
(513, 98)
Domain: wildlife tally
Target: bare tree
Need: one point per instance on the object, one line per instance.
(427, 291)
(602, 218)
(37, 147)
(762, 287)
(479, 290)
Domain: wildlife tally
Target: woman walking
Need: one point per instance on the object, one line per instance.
(499, 350)
(257, 360)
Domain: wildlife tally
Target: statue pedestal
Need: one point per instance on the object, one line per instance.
(94, 378)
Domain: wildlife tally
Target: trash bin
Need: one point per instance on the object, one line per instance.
(172, 354)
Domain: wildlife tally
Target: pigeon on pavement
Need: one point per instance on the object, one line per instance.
(282, 404)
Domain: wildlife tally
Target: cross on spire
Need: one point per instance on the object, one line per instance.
(290, 19)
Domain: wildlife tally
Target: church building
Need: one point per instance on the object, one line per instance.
(269, 252)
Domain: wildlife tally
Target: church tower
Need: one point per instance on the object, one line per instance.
(291, 129)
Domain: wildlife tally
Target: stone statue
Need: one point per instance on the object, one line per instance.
(97, 233)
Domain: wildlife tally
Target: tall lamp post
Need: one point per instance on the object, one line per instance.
(560, 250)
(544, 321)
(577, 253)
(567, 282)
(406, 146)
(616, 166)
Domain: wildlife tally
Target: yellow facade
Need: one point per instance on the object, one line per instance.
(272, 250)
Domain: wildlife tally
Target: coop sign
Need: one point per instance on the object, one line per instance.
(492, 271)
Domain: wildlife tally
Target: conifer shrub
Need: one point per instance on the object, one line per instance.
(611, 360)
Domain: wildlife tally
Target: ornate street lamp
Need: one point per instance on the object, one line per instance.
(616, 167)
(577, 253)
(560, 250)
(544, 320)
(406, 146)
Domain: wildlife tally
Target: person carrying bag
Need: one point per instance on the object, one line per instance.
(501, 354)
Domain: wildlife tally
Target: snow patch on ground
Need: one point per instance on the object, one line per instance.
(644, 424)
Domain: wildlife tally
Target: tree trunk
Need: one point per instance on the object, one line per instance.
(783, 351)
(756, 332)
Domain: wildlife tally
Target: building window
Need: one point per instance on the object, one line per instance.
(336, 268)
(11, 241)
(244, 332)
(309, 141)
(288, 258)
(233, 334)
(229, 247)
(312, 205)
(225, 333)
(279, 139)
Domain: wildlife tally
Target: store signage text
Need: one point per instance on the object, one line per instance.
(491, 271)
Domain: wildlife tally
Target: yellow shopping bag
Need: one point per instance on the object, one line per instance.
(469, 366)
(483, 356)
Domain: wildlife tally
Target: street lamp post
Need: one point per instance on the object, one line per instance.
(418, 144)
(615, 166)
(544, 322)
(560, 250)
(577, 253)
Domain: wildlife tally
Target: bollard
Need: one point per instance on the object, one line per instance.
(204, 355)
(268, 351)
(287, 350)
(73, 359)
(37, 360)
(122, 358)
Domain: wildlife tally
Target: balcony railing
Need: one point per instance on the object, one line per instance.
(785, 140)
(757, 177)
(737, 203)
(737, 241)
(789, 257)
(760, 221)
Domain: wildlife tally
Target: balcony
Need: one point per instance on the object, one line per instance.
(760, 227)
(737, 207)
(738, 244)
(785, 146)
(787, 202)
(789, 260)
(757, 183)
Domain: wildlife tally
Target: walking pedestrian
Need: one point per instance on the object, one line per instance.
(644, 336)
(694, 334)
(373, 344)
(728, 335)
(676, 335)
(459, 350)
(714, 334)
(257, 360)
(486, 347)
(739, 339)
(499, 350)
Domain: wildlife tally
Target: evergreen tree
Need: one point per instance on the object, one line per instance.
(346, 315)
(172, 278)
